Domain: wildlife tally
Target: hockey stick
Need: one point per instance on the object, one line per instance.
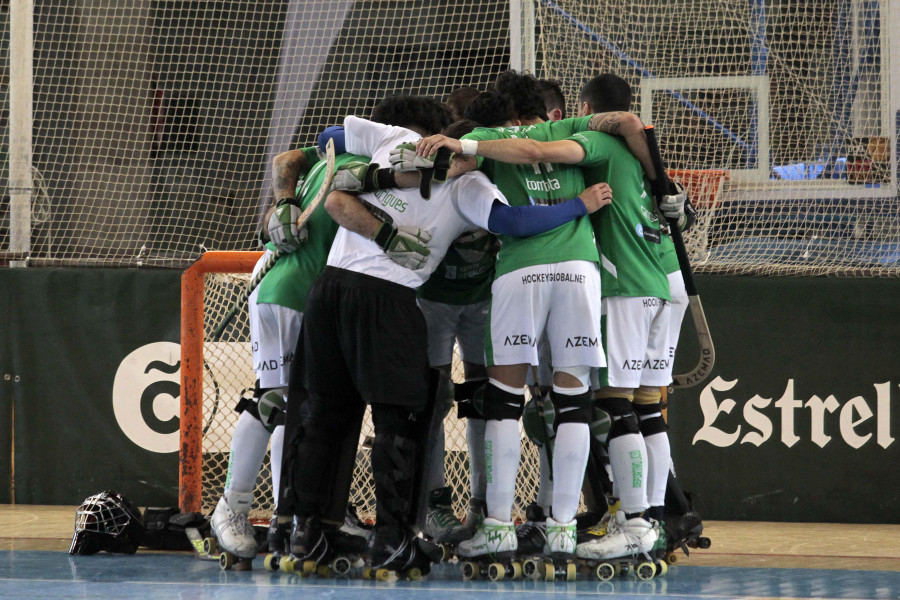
(707, 351)
(270, 262)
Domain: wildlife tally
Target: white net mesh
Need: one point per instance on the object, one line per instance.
(228, 375)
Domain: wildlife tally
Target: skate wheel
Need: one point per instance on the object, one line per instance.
(605, 571)
(287, 564)
(623, 570)
(271, 563)
(469, 571)
(703, 543)
(413, 574)
(323, 571)
(549, 571)
(446, 552)
(243, 564)
(496, 572)
(645, 571)
(516, 570)
(341, 565)
(661, 568)
(530, 568)
(368, 573)
(671, 558)
(309, 567)
(226, 561)
(382, 574)
(570, 572)
(210, 545)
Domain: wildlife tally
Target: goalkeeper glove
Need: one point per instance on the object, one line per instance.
(404, 245)
(672, 206)
(433, 167)
(358, 176)
(283, 229)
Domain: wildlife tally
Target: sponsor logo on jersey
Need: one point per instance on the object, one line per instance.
(543, 185)
(857, 422)
(550, 277)
(389, 200)
(636, 364)
(519, 340)
(654, 302)
(582, 341)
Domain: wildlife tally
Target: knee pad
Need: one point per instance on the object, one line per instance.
(500, 405)
(582, 374)
(650, 418)
(267, 406)
(467, 407)
(537, 420)
(396, 420)
(621, 413)
(572, 409)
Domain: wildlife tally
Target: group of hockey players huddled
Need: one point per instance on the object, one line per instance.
(539, 245)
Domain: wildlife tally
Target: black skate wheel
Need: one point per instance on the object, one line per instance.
(496, 572)
(226, 561)
(469, 571)
(645, 571)
(341, 565)
(703, 543)
(605, 571)
(671, 558)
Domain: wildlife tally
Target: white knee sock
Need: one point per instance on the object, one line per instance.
(502, 449)
(658, 459)
(628, 459)
(545, 487)
(570, 454)
(475, 439)
(275, 453)
(248, 448)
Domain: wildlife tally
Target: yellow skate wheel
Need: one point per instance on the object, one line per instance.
(270, 562)
(516, 570)
(661, 568)
(469, 570)
(382, 574)
(645, 571)
(287, 564)
(446, 552)
(341, 565)
(323, 571)
(368, 573)
(210, 545)
(570, 572)
(226, 560)
(414, 574)
(671, 558)
(549, 571)
(531, 568)
(496, 572)
(605, 571)
(309, 567)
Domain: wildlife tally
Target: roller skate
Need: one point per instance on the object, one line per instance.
(234, 539)
(531, 535)
(279, 538)
(441, 525)
(354, 526)
(320, 550)
(558, 562)
(475, 515)
(491, 552)
(683, 532)
(626, 546)
(591, 526)
(400, 555)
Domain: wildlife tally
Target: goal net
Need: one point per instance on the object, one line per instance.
(216, 374)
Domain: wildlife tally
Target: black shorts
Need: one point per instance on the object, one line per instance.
(364, 336)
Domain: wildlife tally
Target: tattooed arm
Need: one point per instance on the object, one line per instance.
(628, 126)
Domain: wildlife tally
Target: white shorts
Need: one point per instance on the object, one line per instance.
(637, 342)
(274, 331)
(561, 298)
(452, 322)
(679, 307)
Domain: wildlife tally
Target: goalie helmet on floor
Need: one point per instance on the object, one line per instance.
(107, 522)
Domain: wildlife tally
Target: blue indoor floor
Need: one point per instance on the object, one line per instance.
(151, 575)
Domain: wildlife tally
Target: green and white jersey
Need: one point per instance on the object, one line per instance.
(288, 282)
(627, 230)
(668, 258)
(465, 275)
(539, 184)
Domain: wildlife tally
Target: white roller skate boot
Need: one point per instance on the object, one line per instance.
(632, 537)
(559, 552)
(231, 525)
(491, 552)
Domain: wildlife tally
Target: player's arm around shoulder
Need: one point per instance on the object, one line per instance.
(513, 150)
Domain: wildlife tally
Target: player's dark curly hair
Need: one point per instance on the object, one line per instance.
(607, 92)
(420, 112)
(457, 129)
(490, 109)
(459, 99)
(524, 92)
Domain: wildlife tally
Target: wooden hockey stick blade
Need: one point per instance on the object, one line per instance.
(707, 350)
(301, 221)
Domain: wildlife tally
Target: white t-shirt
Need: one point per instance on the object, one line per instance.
(459, 205)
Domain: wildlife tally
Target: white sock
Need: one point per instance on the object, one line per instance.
(275, 453)
(475, 439)
(570, 454)
(248, 448)
(628, 459)
(658, 459)
(545, 487)
(502, 449)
